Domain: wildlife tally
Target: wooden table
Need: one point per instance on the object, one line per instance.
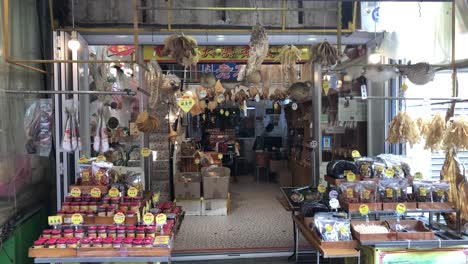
(325, 252)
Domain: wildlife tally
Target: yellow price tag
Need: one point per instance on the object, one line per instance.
(101, 158)
(148, 219)
(343, 230)
(226, 113)
(55, 220)
(186, 103)
(350, 176)
(114, 192)
(326, 86)
(366, 194)
(380, 168)
(389, 173)
(119, 218)
(321, 188)
(275, 106)
(197, 161)
(146, 152)
(350, 193)
(220, 156)
(418, 175)
(99, 175)
(389, 192)
(83, 159)
(138, 216)
(328, 228)
(75, 192)
(77, 219)
(95, 192)
(221, 111)
(132, 192)
(161, 219)
(162, 240)
(85, 175)
(155, 198)
(364, 209)
(401, 208)
(355, 154)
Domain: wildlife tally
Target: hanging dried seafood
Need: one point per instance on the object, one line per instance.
(184, 49)
(258, 50)
(288, 57)
(278, 95)
(207, 80)
(422, 126)
(254, 78)
(456, 134)
(219, 89)
(324, 53)
(153, 80)
(170, 83)
(146, 123)
(241, 96)
(212, 105)
(196, 109)
(402, 129)
(300, 90)
(435, 132)
(265, 92)
(253, 91)
(228, 96)
(202, 104)
(419, 73)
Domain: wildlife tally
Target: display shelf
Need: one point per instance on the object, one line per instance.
(102, 259)
(354, 207)
(86, 189)
(390, 236)
(123, 252)
(436, 243)
(47, 252)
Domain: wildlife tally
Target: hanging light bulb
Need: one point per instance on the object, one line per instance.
(374, 57)
(73, 43)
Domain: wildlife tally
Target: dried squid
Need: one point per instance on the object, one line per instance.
(435, 132)
(258, 49)
(288, 57)
(402, 129)
(456, 134)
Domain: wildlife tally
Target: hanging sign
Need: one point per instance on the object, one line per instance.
(350, 176)
(114, 192)
(75, 192)
(77, 219)
(326, 87)
(119, 218)
(186, 103)
(55, 220)
(95, 192)
(132, 192)
(364, 209)
(197, 161)
(294, 106)
(145, 152)
(148, 219)
(321, 188)
(355, 154)
(155, 198)
(161, 219)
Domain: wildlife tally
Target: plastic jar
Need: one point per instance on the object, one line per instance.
(128, 242)
(89, 213)
(68, 233)
(68, 199)
(102, 232)
(57, 233)
(137, 243)
(131, 231)
(117, 243)
(61, 243)
(92, 206)
(112, 231)
(83, 213)
(110, 211)
(46, 233)
(115, 200)
(107, 243)
(130, 213)
(75, 206)
(148, 243)
(123, 207)
(65, 206)
(135, 206)
(72, 243)
(50, 243)
(97, 243)
(79, 233)
(77, 199)
(92, 231)
(150, 231)
(101, 211)
(67, 216)
(84, 206)
(140, 232)
(39, 243)
(85, 243)
(106, 200)
(121, 232)
(86, 198)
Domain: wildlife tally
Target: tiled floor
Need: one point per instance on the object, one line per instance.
(256, 220)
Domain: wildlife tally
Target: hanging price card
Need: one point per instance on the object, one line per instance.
(114, 192)
(148, 219)
(55, 220)
(350, 176)
(76, 219)
(161, 219)
(186, 103)
(101, 158)
(418, 175)
(83, 159)
(364, 209)
(75, 192)
(321, 188)
(132, 192)
(145, 152)
(85, 175)
(119, 218)
(227, 113)
(389, 173)
(95, 192)
(275, 105)
(197, 161)
(355, 154)
(401, 209)
(294, 106)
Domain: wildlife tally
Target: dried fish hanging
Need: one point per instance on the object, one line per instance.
(71, 137)
(288, 56)
(456, 134)
(147, 123)
(402, 129)
(324, 53)
(153, 79)
(422, 125)
(184, 49)
(257, 53)
(434, 132)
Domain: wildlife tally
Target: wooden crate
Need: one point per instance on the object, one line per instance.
(336, 244)
(421, 232)
(434, 206)
(52, 252)
(392, 206)
(100, 252)
(354, 207)
(86, 189)
(148, 252)
(372, 237)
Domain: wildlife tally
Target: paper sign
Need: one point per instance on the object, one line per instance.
(220, 156)
(350, 176)
(161, 219)
(132, 192)
(114, 192)
(389, 192)
(75, 192)
(186, 103)
(364, 209)
(145, 152)
(162, 240)
(355, 154)
(101, 158)
(321, 188)
(294, 106)
(401, 209)
(95, 192)
(148, 219)
(55, 220)
(77, 219)
(119, 218)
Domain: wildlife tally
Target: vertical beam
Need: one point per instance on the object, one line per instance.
(135, 30)
(6, 29)
(339, 26)
(283, 18)
(51, 11)
(169, 15)
(454, 67)
(57, 122)
(316, 113)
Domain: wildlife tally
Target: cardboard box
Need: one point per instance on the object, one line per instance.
(187, 186)
(212, 207)
(191, 207)
(216, 182)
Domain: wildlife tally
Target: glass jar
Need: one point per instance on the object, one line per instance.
(101, 211)
(92, 231)
(57, 233)
(66, 206)
(79, 233)
(75, 206)
(68, 233)
(112, 231)
(127, 199)
(150, 231)
(140, 232)
(147, 243)
(128, 242)
(102, 232)
(72, 243)
(106, 200)
(86, 243)
(68, 199)
(39, 243)
(110, 211)
(86, 198)
(46, 233)
(67, 216)
(84, 206)
(131, 231)
(50, 243)
(107, 243)
(97, 243)
(117, 243)
(121, 231)
(115, 200)
(89, 213)
(123, 207)
(92, 206)
(137, 243)
(77, 199)
(61, 243)
(135, 206)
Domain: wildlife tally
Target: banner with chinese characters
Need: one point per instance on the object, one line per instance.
(220, 53)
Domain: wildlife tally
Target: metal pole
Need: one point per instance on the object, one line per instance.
(283, 18)
(57, 135)
(135, 30)
(169, 16)
(316, 113)
(339, 26)
(252, 9)
(128, 92)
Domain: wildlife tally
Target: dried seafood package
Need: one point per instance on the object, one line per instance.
(435, 132)
(258, 50)
(184, 49)
(332, 228)
(378, 169)
(387, 190)
(349, 193)
(38, 127)
(423, 191)
(324, 53)
(367, 191)
(100, 172)
(364, 165)
(402, 129)
(440, 192)
(401, 190)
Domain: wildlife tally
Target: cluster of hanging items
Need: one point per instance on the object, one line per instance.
(101, 139)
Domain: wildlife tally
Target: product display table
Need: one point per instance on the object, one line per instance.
(103, 259)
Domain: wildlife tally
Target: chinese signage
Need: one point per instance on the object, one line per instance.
(219, 53)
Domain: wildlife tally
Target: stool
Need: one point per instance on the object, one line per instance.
(257, 172)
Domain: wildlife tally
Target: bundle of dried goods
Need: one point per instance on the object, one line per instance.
(146, 123)
(402, 129)
(435, 132)
(288, 57)
(258, 51)
(184, 49)
(324, 53)
(456, 134)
